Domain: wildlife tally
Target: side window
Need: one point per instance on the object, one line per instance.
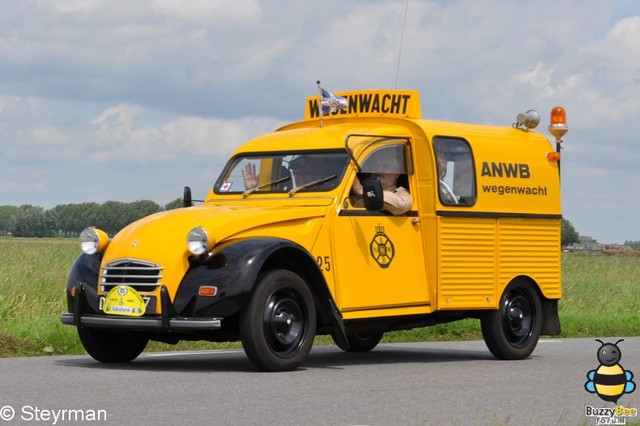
(389, 165)
(456, 176)
(388, 159)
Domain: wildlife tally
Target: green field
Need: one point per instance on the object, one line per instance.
(601, 299)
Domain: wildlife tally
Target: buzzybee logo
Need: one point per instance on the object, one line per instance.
(610, 381)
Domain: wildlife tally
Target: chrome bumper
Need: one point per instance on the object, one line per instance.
(151, 324)
(83, 317)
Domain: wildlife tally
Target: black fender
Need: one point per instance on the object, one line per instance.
(549, 314)
(550, 318)
(84, 277)
(233, 268)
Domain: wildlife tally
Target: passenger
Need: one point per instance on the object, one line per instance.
(446, 193)
(306, 169)
(249, 176)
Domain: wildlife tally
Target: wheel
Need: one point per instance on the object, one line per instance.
(111, 347)
(512, 331)
(278, 326)
(361, 342)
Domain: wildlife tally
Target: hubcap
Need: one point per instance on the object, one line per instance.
(284, 323)
(518, 318)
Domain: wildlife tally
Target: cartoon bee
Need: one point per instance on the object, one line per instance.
(610, 381)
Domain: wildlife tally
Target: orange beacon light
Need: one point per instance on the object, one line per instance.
(558, 125)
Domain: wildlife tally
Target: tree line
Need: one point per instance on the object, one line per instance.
(68, 220)
(569, 234)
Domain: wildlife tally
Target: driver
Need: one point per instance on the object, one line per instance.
(397, 200)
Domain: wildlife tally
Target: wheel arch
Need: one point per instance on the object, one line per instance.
(524, 278)
(236, 266)
(549, 315)
(298, 260)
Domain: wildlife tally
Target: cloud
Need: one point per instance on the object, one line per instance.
(47, 134)
(617, 71)
(207, 12)
(112, 153)
(124, 100)
(116, 123)
(121, 139)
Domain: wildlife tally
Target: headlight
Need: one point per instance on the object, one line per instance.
(93, 240)
(198, 241)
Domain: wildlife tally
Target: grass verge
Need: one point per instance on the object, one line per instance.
(601, 298)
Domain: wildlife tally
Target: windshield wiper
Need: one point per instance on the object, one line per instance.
(310, 184)
(248, 192)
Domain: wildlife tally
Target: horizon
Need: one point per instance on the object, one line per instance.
(126, 103)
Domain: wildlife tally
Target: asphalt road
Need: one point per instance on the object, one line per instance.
(396, 384)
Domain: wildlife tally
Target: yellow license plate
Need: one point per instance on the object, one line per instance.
(124, 300)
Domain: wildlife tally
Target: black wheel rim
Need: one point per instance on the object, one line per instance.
(284, 323)
(362, 337)
(518, 317)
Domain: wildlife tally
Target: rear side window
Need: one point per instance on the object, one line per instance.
(456, 176)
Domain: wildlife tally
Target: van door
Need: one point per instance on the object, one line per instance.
(379, 257)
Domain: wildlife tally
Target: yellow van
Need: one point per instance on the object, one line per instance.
(364, 220)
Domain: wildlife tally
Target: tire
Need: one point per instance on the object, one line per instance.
(111, 347)
(512, 331)
(361, 342)
(278, 326)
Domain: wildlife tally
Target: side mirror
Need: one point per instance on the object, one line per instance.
(187, 201)
(372, 194)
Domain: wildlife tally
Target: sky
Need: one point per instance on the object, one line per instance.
(128, 100)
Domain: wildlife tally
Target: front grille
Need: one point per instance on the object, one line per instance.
(143, 276)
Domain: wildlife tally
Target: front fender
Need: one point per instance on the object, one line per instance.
(232, 268)
(84, 272)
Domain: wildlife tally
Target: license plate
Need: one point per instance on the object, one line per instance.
(127, 304)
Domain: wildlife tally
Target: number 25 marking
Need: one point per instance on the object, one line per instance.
(324, 263)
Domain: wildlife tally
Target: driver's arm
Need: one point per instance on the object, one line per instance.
(398, 201)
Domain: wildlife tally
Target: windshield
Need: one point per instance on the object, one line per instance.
(290, 173)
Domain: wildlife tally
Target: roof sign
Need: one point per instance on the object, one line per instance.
(371, 103)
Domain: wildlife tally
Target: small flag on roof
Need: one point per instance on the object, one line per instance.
(331, 103)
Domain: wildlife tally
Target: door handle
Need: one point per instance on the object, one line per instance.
(416, 221)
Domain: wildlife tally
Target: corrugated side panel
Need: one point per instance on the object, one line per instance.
(466, 263)
(531, 247)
